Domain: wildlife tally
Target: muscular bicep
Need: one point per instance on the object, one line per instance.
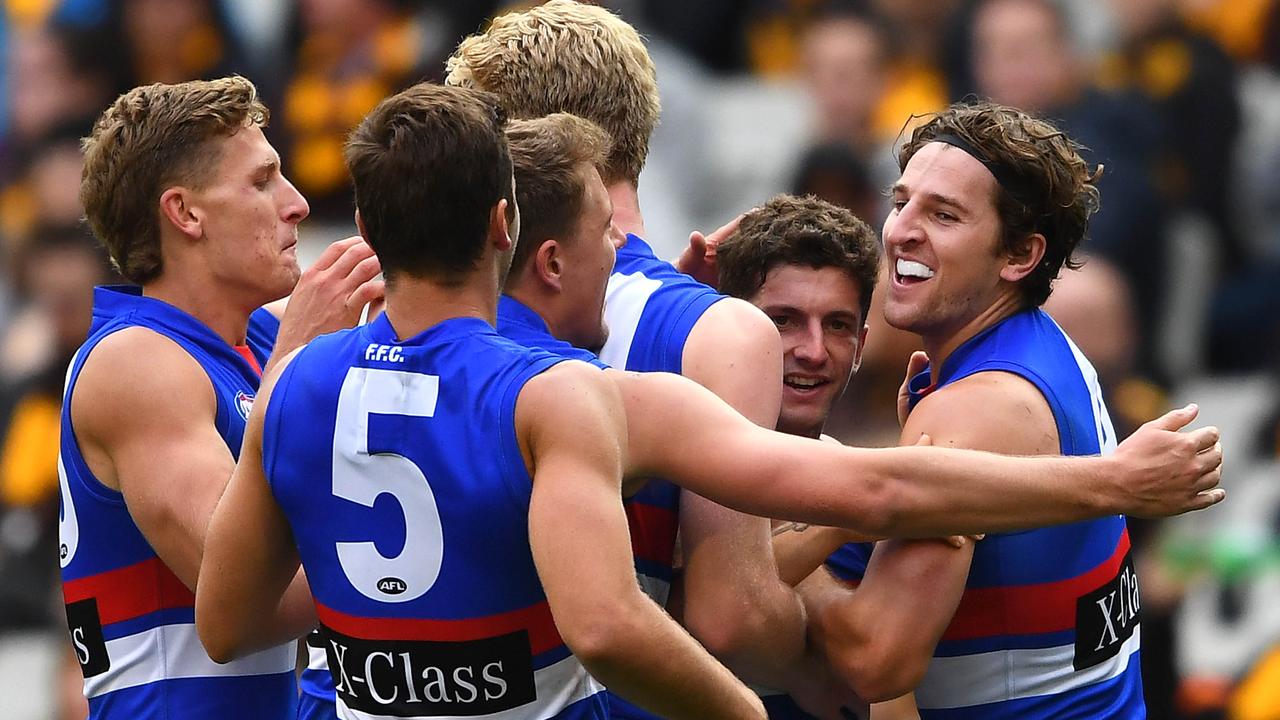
(681, 431)
(145, 412)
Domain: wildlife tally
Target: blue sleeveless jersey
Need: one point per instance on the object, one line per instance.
(398, 468)
(651, 513)
(131, 619)
(650, 308)
(1048, 626)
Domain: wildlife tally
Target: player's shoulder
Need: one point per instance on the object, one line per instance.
(135, 375)
(565, 388)
(568, 374)
(992, 410)
(138, 353)
(735, 322)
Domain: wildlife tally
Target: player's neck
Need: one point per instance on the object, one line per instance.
(940, 344)
(626, 208)
(527, 293)
(415, 304)
(208, 302)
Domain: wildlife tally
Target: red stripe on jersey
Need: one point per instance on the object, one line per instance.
(131, 591)
(653, 532)
(1030, 609)
(247, 354)
(543, 635)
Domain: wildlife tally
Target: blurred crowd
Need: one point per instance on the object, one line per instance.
(1177, 100)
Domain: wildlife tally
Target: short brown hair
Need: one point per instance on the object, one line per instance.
(547, 154)
(429, 164)
(1048, 188)
(565, 56)
(804, 231)
(151, 138)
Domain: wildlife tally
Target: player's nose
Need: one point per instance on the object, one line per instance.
(294, 207)
(810, 348)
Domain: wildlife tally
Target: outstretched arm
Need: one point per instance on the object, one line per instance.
(571, 428)
(697, 441)
(251, 593)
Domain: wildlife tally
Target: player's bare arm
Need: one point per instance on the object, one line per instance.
(881, 636)
(800, 549)
(911, 491)
(734, 601)
(164, 455)
(250, 592)
(570, 422)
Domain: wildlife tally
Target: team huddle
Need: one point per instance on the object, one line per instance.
(554, 476)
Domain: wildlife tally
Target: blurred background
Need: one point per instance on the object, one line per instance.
(1179, 299)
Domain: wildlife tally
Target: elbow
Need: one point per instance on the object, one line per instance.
(880, 674)
(216, 634)
(729, 633)
(601, 639)
(741, 631)
(219, 647)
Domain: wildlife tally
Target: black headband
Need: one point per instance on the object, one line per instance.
(1003, 175)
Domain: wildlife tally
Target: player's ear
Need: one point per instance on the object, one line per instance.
(1023, 258)
(499, 227)
(360, 227)
(857, 351)
(176, 206)
(548, 262)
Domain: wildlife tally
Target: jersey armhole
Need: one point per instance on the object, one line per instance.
(677, 335)
(79, 472)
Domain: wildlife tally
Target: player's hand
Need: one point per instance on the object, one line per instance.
(915, 365)
(331, 294)
(1162, 472)
(699, 259)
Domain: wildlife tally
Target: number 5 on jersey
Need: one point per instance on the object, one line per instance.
(361, 477)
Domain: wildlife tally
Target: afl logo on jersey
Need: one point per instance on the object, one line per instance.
(244, 403)
(392, 585)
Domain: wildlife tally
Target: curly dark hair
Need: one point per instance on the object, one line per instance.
(805, 231)
(1045, 185)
